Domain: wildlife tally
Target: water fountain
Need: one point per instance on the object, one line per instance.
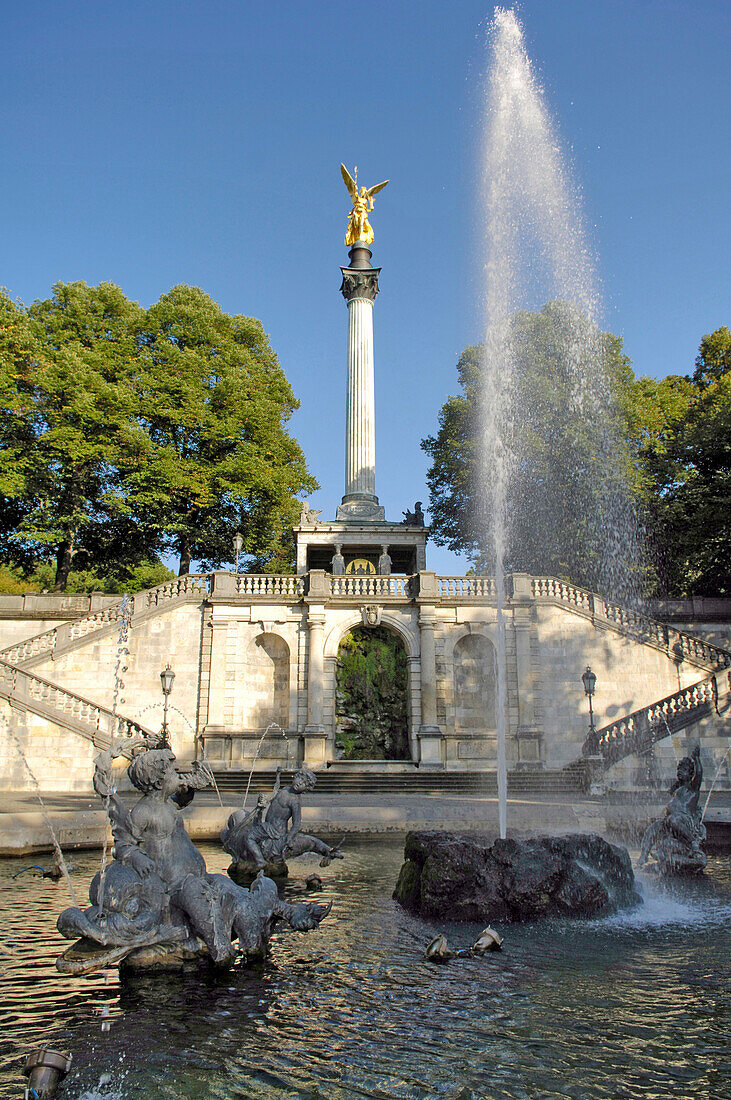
(160, 907)
(365, 1014)
(536, 252)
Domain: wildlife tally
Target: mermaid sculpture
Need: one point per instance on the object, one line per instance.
(676, 838)
(156, 904)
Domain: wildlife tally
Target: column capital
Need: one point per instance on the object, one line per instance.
(361, 283)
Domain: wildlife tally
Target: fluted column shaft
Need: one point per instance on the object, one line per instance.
(360, 432)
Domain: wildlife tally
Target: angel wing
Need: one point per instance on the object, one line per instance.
(349, 182)
(374, 190)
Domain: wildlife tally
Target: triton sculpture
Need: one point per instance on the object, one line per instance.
(359, 228)
(676, 838)
(155, 904)
(259, 841)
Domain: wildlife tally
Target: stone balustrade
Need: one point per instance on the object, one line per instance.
(466, 588)
(270, 585)
(371, 587)
(677, 643)
(95, 723)
(637, 732)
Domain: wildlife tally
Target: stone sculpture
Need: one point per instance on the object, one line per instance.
(155, 904)
(260, 841)
(676, 838)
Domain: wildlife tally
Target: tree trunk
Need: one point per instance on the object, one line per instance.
(64, 559)
(184, 548)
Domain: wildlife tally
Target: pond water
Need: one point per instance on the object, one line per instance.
(633, 1006)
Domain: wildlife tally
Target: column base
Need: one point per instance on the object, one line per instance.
(315, 751)
(369, 510)
(430, 747)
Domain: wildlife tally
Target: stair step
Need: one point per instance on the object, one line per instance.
(416, 782)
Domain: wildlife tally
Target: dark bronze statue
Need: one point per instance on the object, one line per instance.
(415, 518)
(676, 838)
(260, 841)
(156, 903)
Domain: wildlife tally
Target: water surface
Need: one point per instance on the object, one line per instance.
(634, 1006)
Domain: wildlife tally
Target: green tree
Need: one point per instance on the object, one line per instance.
(686, 460)
(372, 681)
(68, 422)
(214, 405)
(570, 466)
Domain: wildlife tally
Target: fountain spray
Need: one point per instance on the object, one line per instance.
(535, 253)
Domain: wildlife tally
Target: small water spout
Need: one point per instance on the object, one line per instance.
(714, 780)
(36, 787)
(270, 727)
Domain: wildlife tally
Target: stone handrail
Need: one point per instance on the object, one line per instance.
(678, 645)
(637, 732)
(370, 585)
(465, 588)
(45, 644)
(97, 724)
(275, 585)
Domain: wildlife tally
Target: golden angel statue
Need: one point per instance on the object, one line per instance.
(359, 228)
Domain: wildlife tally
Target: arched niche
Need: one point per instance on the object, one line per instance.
(475, 688)
(372, 697)
(266, 691)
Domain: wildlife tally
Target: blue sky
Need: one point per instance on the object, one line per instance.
(153, 143)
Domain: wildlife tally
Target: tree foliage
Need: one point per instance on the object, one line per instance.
(567, 470)
(687, 466)
(128, 433)
(673, 437)
(372, 681)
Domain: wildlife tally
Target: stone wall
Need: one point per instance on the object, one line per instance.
(243, 661)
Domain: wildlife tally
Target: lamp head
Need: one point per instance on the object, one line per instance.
(166, 679)
(589, 681)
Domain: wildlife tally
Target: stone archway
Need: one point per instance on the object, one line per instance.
(372, 695)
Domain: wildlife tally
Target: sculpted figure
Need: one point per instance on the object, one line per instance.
(157, 893)
(270, 839)
(676, 838)
(415, 518)
(359, 228)
(308, 516)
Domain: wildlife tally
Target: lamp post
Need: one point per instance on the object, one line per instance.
(166, 680)
(238, 546)
(588, 679)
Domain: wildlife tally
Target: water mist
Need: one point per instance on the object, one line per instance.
(537, 259)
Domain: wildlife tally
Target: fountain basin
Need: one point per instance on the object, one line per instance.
(469, 877)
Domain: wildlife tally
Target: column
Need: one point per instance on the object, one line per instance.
(360, 429)
(430, 735)
(359, 288)
(315, 737)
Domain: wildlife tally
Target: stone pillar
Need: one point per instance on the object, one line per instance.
(359, 288)
(430, 735)
(315, 736)
(529, 736)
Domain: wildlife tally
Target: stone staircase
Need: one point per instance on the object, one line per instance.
(621, 738)
(350, 781)
(135, 609)
(25, 691)
(636, 733)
